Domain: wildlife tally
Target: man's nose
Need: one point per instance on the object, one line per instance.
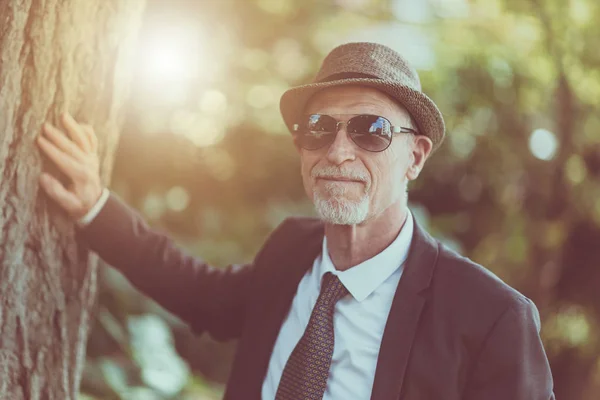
(342, 149)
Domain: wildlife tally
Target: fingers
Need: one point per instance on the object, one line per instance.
(64, 162)
(76, 132)
(76, 156)
(91, 136)
(63, 143)
(67, 200)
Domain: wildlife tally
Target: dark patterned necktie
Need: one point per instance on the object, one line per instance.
(306, 371)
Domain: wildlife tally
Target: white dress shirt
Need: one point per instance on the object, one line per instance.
(358, 321)
(95, 210)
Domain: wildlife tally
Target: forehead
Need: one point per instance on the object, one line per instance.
(355, 100)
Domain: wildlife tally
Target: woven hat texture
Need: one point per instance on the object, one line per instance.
(373, 65)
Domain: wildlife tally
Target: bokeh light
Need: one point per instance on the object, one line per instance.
(177, 198)
(171, 53)
(154, 206)
(171, 60)
(201, 129)
(543, 144)
(213, 102)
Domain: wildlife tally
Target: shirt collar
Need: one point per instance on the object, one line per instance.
(364, 278)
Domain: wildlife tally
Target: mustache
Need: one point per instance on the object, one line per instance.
(330, 171)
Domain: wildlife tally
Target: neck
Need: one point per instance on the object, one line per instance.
(350, 245)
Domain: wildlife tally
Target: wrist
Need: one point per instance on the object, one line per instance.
(95, 209)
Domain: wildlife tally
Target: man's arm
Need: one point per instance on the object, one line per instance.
(207, 298)
(512, 363)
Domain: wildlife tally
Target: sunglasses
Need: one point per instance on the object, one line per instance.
(369, 132)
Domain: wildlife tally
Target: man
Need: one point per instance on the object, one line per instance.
(360, 304)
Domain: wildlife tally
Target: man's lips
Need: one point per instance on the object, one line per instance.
(339, 179)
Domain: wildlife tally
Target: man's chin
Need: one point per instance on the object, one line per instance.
(341, 211)
(345, 200)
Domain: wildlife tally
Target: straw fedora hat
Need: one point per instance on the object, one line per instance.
(376, 66)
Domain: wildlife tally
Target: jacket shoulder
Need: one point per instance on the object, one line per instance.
(473, 295)
(478, 281)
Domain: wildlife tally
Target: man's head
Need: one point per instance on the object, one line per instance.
(348, 184)
(362, 79)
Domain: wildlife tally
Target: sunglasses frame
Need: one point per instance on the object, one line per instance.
(395, 129)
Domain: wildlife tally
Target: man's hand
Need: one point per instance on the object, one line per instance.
(76, 156)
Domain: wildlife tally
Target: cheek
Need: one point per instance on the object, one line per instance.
(399, 161)
(387, 175)
(307, 163)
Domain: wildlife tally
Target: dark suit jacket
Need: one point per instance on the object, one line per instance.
(455, 331)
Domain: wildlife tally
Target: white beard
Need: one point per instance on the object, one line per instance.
(339, 210)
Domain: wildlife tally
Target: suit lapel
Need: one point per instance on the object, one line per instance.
(287, 282)
(403, 319)
(292, 264)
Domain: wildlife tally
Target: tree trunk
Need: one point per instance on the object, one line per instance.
(55, 55)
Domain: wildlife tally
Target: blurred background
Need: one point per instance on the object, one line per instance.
(205, 155)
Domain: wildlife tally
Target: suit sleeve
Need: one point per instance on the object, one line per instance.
(512, 363)
(207, 298)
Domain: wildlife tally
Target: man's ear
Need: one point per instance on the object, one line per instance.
(421, 149)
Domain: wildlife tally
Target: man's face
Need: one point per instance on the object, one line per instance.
(347, 184)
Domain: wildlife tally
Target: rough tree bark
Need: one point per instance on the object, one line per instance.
(55, 55)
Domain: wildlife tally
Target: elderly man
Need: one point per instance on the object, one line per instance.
(359, 304)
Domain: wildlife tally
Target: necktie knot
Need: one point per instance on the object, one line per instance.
(332, 289)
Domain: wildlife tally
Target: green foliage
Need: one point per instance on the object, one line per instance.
(515, 186)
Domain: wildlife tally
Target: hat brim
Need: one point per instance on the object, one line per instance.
(423, 110)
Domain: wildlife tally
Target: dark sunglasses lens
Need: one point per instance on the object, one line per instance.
(370, 132)
(316, 131)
